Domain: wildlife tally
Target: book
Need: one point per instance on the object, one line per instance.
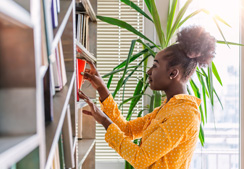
(68, 140)
(54, 13)
(81, 64)
(80, 114)
(62, 63)
(56, 70)
(48, 99)
(61, 152)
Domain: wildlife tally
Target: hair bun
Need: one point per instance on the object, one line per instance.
(197, 44)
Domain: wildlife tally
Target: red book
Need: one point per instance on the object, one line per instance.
(81, 64)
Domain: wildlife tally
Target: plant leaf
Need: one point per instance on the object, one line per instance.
(216, 16)
(171, 14)
(218, 99)
(197, 94)
(201, 135)
(210, 84)
(229, 43)
(138, 9)
(190, 16)
(217, 24)
(177, 20)
(127, 100)
(133, 103)
(151, 104)
(216, 74)
(203, 93)
(157, 23)
(124, 25)
(157, 98)
(147, 2)
(120, 83)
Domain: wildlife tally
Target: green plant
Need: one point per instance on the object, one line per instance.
(206, 89)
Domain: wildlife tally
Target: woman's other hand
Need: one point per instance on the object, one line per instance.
(96, 80)
(97, 114)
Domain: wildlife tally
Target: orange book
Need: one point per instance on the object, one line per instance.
(81, 64)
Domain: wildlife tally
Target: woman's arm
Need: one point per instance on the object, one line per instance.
(134, 128)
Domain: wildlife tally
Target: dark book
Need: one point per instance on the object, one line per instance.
(48, 99)
(61, 152)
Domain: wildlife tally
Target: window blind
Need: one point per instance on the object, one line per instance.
(113, 44)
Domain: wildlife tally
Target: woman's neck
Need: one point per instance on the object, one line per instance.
(175, 90)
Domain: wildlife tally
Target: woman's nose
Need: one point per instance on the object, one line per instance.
(149, 71)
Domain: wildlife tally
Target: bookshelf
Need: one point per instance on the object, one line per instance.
(39, 111)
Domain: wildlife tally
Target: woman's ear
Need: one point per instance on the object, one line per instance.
(174, 73)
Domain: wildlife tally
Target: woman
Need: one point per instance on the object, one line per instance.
(170, 133)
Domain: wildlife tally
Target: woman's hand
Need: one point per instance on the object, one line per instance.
(98, 115)
(96, 80)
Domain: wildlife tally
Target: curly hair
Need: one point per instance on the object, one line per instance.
(194, 47)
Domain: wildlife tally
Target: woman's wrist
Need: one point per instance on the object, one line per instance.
(103, 93)
(106, 122)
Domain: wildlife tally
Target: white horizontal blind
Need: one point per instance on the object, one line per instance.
(113, 44)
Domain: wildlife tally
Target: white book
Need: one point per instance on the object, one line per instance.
(62, 63)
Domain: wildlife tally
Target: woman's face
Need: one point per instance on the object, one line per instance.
(158, 74)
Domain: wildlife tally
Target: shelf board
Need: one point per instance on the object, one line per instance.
(53, 130)
(14, 148)
(74, 144)
(43, 71)
(84, 148)
(17, 15)
(84, 52)
(63, 16)
(88, 7)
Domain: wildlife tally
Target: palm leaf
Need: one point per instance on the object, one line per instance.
(218, 98)
(124, 25)
(178, 19)
(120, 83)
(134, 57)
(157, 23)
(138, 9)
(201, 135)
(216, 74)
(147, 2)
(229, 43)
(217, 24)
(171, 14)
(137, 91)
(157, 99)
(203, 93)
(190, 16)
(151, 106)
(127, 100)
(216, 17)
(197, 94)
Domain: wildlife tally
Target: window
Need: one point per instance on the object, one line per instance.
(222, 129)
(113, 45)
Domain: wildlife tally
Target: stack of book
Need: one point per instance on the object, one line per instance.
(82, 29)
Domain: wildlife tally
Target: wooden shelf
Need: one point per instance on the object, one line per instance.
(63, 16)
(17, 15)
(74, 144)
(84, 52)
(12, 148)
(53, 130)
(88, 7)
(84, 148)
(43, 71)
